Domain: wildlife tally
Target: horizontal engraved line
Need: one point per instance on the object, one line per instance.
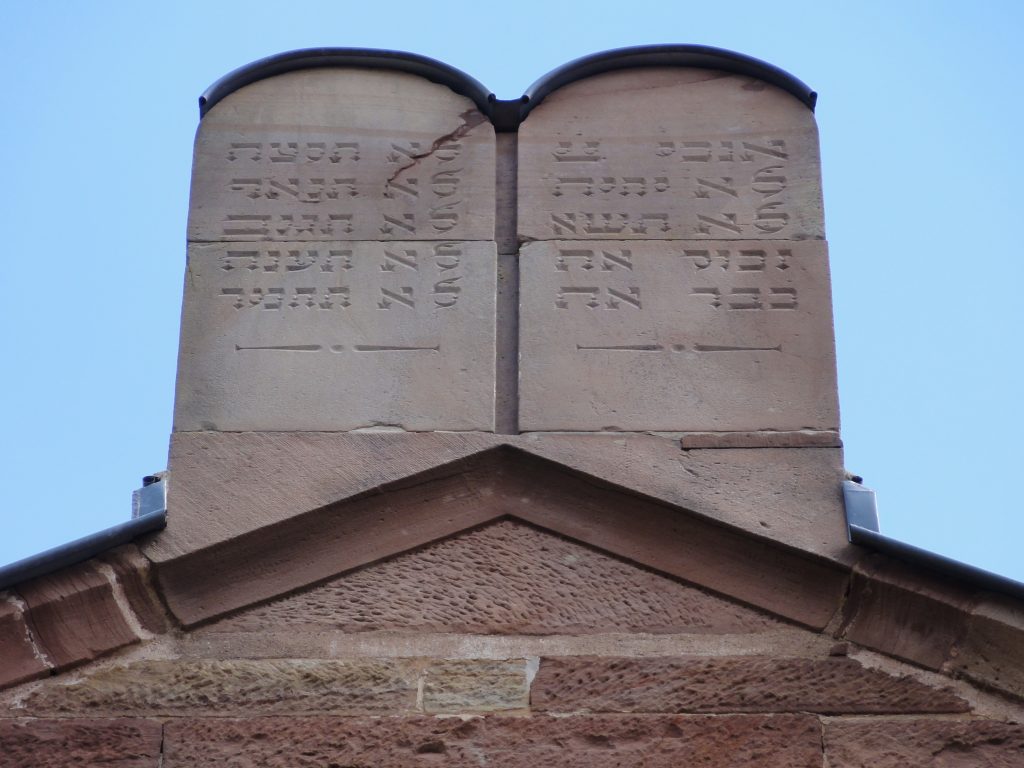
(283, 348)
(387, 348)
(723, 348)
(625, 347)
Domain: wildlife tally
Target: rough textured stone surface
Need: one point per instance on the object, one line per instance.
(282, 686)
(475, 685)
(729, 335)
(993, 652)
(923, 744)
(127, 743)
(337, 336)
(905, 613)
(783, 741)
(799, 439)
(18, 660)
(343, 154)
(505, 578)
(133, 574)
(833, 685)
(672, 153)
(790, 496)
(500, 483)
(74, 616)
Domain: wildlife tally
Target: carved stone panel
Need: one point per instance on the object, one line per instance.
(343, 154)
(337, 336)
(665, 154)
(699, 335)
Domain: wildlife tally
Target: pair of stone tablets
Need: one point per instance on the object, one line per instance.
(668, 270)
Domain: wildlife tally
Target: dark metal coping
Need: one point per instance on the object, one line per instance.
(81, 549)
(862, 528)
(369, 58)
(506, 115)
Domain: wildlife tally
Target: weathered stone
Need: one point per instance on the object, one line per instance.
(343, 154)
(905, 613)
(74, 615)
(883, 743)
(476, 685)
(504, 579)
(801, 439)
(765, 684)
(790, 496)
(672, 153)
(338, 336)
(18, 660)
(124, 743)
(993, 652)
(782, 741)
(132, 572)
(720, 335)
(281, 686)
(315, 546)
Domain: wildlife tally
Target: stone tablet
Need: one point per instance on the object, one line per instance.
(343, 154)
(676, 336)
(337, 336)
(665, 154)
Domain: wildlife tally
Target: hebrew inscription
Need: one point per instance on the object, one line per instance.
(338, 335)
(697, 335)
(669, 154)
(327, 155)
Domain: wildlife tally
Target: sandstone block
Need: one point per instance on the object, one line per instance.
(790, 496)
(675, 685)
(121, 743)
(669, 154)
(719, 335)
(905, 613)
(343, 154)
(475, 685)
(900, 743)
(281, 686)
(18, 660)
(783, 741)
(506, 578)
(993, 652)
(338, 336)
(133, 574)
(74, 616)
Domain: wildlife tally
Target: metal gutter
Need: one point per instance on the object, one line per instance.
(507, 114)
(862, 528)
(89, 546)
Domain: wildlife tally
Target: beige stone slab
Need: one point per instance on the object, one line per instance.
(343, 154)
(669, 154)
(718, 335)
(337, 336)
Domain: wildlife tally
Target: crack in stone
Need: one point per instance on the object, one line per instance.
(471, 118)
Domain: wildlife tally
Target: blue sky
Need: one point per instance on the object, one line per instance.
(920, 112)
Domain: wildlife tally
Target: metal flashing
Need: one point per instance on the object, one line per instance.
(701, 56)
(372, 58)
(862, 528)
(507, 114)
(153, 517)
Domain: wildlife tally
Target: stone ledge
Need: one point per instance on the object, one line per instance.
(906, 612)
(20, 659)
(992, 654)
(78, 614)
